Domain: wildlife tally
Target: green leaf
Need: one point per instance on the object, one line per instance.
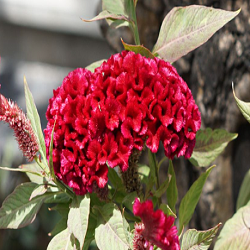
(90, 235)
(58, 197)
(191, 199)
(167, 210)
(115, 179)
(78, 217)
(39, 190)
(107, 15)
(51, 168)
(244, 194)
(109, 233)
(172, 191)
(95, 65)
(115, 7)
(35, 123)
(162, 189)
(186, 28)
(33, 171)
(63, 210)
(129, 200)
(143, 171)
(25, 170)
(59, 227)
(209, 144)
(18, 210)
(198, 240)
(63, 241)
(153, 169)
(243, 106)
(236, 232)
(138, 49)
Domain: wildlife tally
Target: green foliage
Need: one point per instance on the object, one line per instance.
(78, 217)
(63, 210)
(94, 65)
(18, 210)
(34, 172)
(209, 144)
(35, 123)
(172, 191)
(167, 210)
(110, 233)
(163, 187)
(244, 194)
(191, 199)
(236, 232)
(198, 240)
(63, 241)
(129, 200)
(138, 49)
(243, 106)
(186, 28)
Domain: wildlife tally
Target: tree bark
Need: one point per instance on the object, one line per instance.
(209, 71)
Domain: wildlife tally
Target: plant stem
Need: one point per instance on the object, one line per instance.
(41, 165)
(157, 181)
(64, 188)
(133, 23)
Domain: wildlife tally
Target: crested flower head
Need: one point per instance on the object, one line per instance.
(156, 228)
(103, 117)
(17, 120)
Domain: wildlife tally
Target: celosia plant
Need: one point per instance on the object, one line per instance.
(99, 121)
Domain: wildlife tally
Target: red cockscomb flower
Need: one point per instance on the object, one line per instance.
(155, 104)
(156, 228)
(17, 120)
(102, 117)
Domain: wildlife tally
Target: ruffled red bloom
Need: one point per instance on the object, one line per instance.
(155, 103)
(17, 120)
(102, 117)
(156, 228)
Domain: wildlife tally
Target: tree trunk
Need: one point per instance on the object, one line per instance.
(209, 72)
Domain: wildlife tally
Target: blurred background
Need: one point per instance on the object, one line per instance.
(44, 40)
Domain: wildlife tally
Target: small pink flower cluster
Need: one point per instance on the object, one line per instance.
(102, 116)
(14, 116)
(156, 228)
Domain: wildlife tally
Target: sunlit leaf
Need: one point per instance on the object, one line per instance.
(209, 144)
(94, 65)
(78, 217)
(243, 106)
(138, 49)
(186, 28)
(236, 232)
(109, 233)
(34, 172)
(35, 122)
(198, 240)
(39, 190)
(191, 199)
(18, 210)
(107, 15)
(63, 241)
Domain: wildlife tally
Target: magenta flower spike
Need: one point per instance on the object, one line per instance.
(17, 120)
